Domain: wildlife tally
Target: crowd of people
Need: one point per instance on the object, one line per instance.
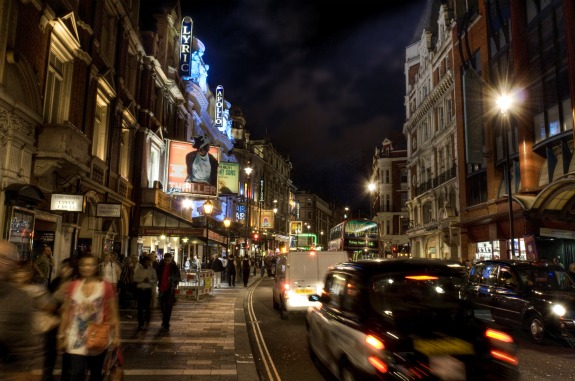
(46, 315)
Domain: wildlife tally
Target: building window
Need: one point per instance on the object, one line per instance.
(57, 98)
(101, 119)
(125, 153)
(154, 165)
(108, 43)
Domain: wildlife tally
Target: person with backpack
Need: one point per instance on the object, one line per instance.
(246, 267)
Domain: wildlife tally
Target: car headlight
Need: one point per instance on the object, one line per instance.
(558, 310)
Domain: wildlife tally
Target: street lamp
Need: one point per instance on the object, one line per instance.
(227, 223)
(208, 208)
(371, 188)
(504, 102)
(248, 171)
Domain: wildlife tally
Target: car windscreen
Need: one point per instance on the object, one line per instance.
(546, 278)
(420, 300)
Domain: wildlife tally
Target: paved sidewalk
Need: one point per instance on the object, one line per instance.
(208, 340)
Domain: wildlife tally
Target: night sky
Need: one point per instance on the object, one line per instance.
(322, 79)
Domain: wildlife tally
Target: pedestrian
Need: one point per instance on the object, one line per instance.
(168, 275)
(231, 270)
(196, 264)
(89, 299)
(217, 268)
(145, 278)
(154, 258)
(238, 263)
(246, 269)
(43, 266)
(571, 270)
(268, 262)
(127, 284)
(224, 271)
(263, 267)
(20, 349)
(57, 289)
(557, 261)
(110, 270)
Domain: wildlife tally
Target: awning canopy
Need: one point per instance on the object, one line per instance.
(23, 195)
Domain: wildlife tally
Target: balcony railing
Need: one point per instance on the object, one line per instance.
(156, 198)
(62, 147)
(436, 181)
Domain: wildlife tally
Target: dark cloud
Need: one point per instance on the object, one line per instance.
(322, 79)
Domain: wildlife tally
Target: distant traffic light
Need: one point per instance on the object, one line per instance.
(256, 236)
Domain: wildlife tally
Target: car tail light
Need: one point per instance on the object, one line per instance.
(505, 357)
(374, 342)
(498, 335)
(502, 346)
(378, 364)
(286, 287)
(421, 277)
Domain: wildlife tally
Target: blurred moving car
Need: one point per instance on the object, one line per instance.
(404, 319)
(534, 295)
(300, 274)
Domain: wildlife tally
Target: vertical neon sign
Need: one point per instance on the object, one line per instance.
(219, 117)
(186, 47)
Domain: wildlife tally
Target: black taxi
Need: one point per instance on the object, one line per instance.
(537, 296)
(404, 319)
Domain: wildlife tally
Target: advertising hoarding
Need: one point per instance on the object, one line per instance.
(178, 179)
(267, 219)
(228, 178)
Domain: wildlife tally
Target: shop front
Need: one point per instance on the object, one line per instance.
(182, 243)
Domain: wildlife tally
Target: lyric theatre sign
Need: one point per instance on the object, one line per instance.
(186, 41)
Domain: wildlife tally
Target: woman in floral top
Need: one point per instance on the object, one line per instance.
(89, 300)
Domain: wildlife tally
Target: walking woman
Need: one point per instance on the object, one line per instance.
(89, 299)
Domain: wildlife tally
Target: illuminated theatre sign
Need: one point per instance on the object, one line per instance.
(186, 47)
(219, 122)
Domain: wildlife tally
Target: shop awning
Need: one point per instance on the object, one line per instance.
(23, 195)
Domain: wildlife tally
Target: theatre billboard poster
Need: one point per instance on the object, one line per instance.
(178, 178)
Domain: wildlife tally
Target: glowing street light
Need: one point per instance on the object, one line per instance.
(371, 188)
(227, 223)
(208, 209)
(504, 102)
(248, 171)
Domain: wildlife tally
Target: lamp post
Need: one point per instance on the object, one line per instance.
(276, 227)
(227, 223)
(208, 208)
(504, 102)
(371, 189)
(248, 171)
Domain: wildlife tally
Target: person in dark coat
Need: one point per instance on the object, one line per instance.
(231, 270)
(246, 267)
(168, 280)
(20, 347)
(217, 268)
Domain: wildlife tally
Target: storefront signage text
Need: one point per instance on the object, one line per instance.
(109, 210)
(67, 202)
(186, 47)
(219, 120)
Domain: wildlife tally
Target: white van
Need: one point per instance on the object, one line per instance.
(300, 274)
